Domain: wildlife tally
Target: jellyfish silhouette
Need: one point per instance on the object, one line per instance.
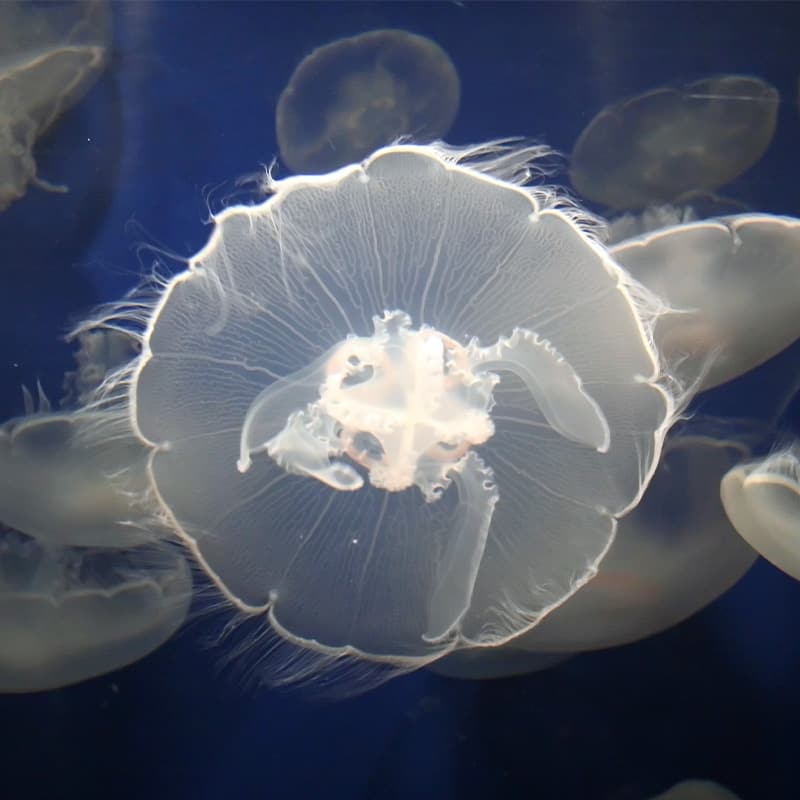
(762, 499)
(657, 146)
(398, 409)
(50, 55)
(356, 94)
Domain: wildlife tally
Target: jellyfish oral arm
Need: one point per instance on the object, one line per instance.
(465, 542)
(553, 383)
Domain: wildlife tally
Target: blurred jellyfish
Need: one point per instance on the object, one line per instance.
(50, 55)
(762, 499)
(357, 94)
(398, 409)
(697, 790)
(673, 554)
(72, 478)
(69, 614)
(653, 148)
(733, 285)
(77, 477)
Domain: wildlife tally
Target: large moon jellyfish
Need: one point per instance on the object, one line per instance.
(398, 409)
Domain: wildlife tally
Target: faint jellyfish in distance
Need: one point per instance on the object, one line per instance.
(356, 94)
(653, 148)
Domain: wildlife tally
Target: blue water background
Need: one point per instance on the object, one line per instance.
(186, 107)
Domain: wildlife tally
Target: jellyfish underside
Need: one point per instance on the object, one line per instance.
(408, 407)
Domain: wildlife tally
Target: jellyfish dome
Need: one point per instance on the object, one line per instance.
(356, 94)
(762, 499)
(398, 409)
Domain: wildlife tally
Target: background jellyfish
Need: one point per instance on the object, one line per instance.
(399, 408)
(68, 614)
(357, 94)
(655, 147)
(762, 499)
(733, 287)
(674, 554)
(87, 582)
(50, 55)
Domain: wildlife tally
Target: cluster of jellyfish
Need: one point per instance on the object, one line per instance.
(420, 410)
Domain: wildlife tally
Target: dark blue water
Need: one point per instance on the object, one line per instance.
(187, 106)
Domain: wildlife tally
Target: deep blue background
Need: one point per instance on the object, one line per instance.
(186, 107)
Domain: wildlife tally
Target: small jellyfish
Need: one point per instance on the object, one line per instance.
(733, 287)
(50, 55)
(655, 147)
(673, 554)
(77, 476)
(69, 614)
(354, 95)
(398, 409)
(762, 499)
(74, 478)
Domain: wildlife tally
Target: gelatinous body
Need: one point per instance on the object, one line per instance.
(63, 481)
(762, 499)
(673, 554)
(70, 614)
(656, 147)
(399, 408)
(50, 54)
(357, 94)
